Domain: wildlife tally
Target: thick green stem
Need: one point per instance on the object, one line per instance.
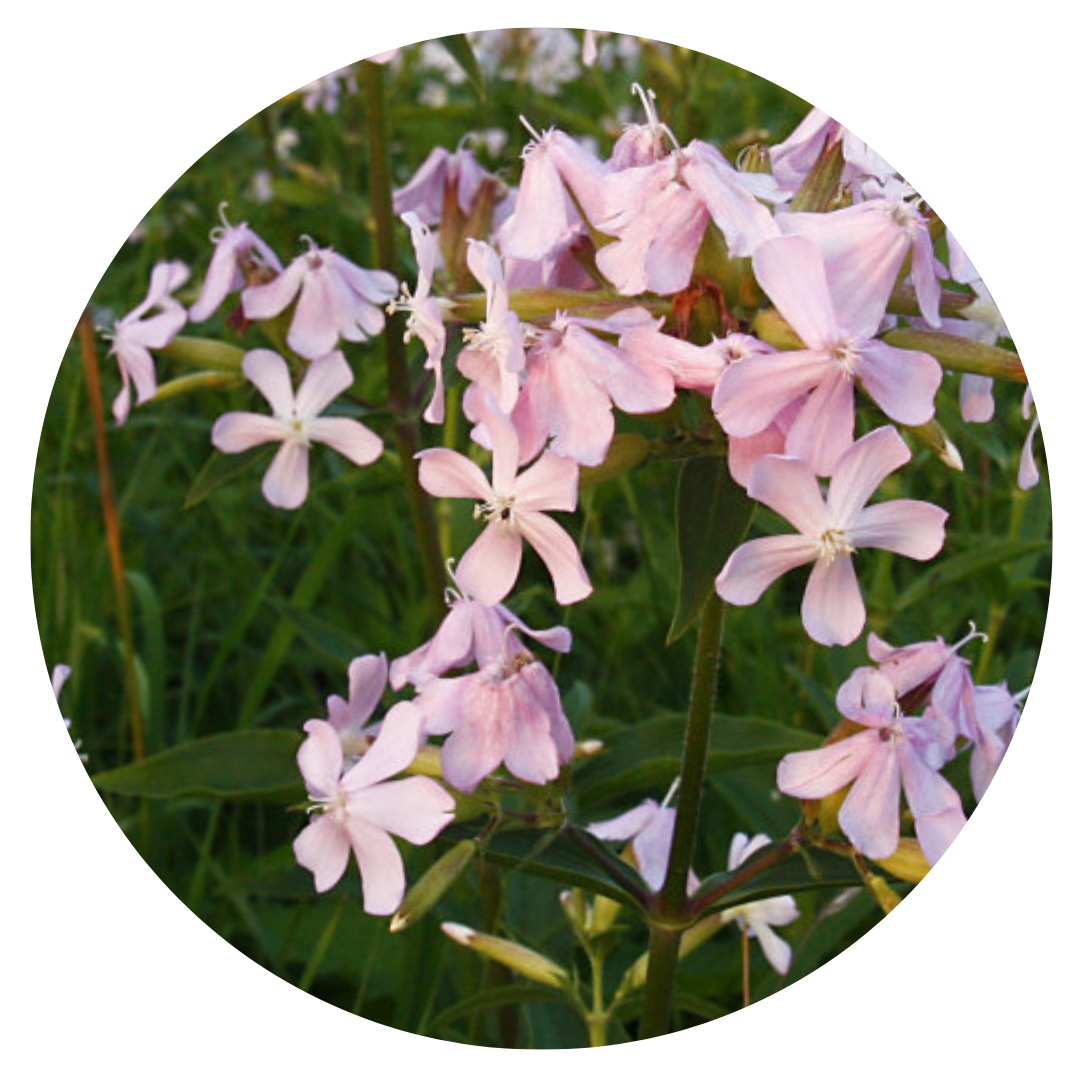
(405, 431)
(671, 913)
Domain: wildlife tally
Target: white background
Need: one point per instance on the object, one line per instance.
(103, 968)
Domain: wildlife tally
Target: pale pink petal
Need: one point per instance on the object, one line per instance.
(315, 325)
(859, 473)
(490, 567)
(450, 475)
(324, 380)
(531, 754)
(788, 486)
(832, 608)
(777, 951)
(442, 703)
(416, 809)
(270, 374)
(323, 848)
(909, 527)
(559, 553)
(755, 565)
(976, 398)
(1028, 475)
(367, 681)
(320, 758)
(375, 286)
(549, 484)
(935, 832)
(813, 774)
(652, 846)
(751, 393)
(825, 426)
(777, 910)
(546, 694)
(634, 386)
(392, 752)
(285, 484)
(236, 432)
(745, 453)
(903, 382)
(478, 743)
(505, 448)
(381, 869)
(792, 272)
(626, 825)
(348, 437)
(266, 301)
(870, 816)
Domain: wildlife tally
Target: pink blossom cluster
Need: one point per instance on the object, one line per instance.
(918, 705)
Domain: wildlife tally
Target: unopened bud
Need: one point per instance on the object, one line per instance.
(197, 380)
(519, 958)
(883, 893)
(932, 436)
(427, 892)
(204, 353)
(754, 159)
(821, 188)
(908, 862)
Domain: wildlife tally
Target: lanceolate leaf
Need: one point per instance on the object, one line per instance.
(457, 45)
(712, 514)
(493, 997)
(221, 469)
(258, 765)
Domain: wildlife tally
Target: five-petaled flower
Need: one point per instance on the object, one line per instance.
(296, 423)
(831, 531)
(512, 507)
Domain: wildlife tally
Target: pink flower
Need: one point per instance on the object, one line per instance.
(458, 173)
(878, 762)
(472, 632)
(234, 247)
(358, 811)
(508, 712)
(512, 507)
(831, 531)
(840, 349)
(758, 918)
(135, 335)
(296, 423)
(367, 681)
(649, 826)
(337, 299)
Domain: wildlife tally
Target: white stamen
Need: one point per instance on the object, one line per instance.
(834, 542)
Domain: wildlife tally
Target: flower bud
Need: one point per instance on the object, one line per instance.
(821, 188)
(197, 380)
(932, 436)
(519, 958)
(882, 892)
(427, 892)
(908, 862)
(204, 353)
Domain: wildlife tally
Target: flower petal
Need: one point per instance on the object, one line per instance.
(348, 437)
(270, 374)
(832, 608)
(909, 527)
(381, 869)
(236, 432)
(490, 567)
(323, 848)
(788, 486)
(392, 752)
(320, 758)
(324, 380)
(417, 809)
(755, 565)
(859, 473)
(285, 484)
(870, 816)
(792, 272)
(902, 381)
(450, 475)
(557, 549)
(813, 774)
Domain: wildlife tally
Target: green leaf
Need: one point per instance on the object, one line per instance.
(650, 756)
(221, 469)
(259, 765)
(320, 633)
(807, 868)
(457, 45)
(712, 514)
(987, 556)
(558, 855)
(492, 998)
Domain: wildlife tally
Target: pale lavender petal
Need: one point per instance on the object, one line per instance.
(323, 848)
(824, 428)
(788, 486)
(367, 681)
(859, 473)
(976, 398)
(505, 448)
(490, 567)
(348, 437)
(381, 869)
(531, 754)
(935, 832)
(375, 286)
(634, 386)
(792, 272)
(417, 809)
(236, 432)
(870, 816)
(813, 774)
(626, 825)
(270, 374)
(903, 382)
(324, 380)
(478, 744)
(652, 846)
(315, 324)
(1028, 475)
(285, 484)
(546, 694)
(320, 758)
(909, 527)
(755, 565)
(392, 752)
(777, 951)
(450, 475)
(559, 553)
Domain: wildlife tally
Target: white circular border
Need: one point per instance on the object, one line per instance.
(106, 106)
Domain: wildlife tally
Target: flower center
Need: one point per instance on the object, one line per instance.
(500, 508)
(834, 542)
(846, 354)
(488, 338)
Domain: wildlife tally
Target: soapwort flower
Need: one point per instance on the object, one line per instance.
(831, 531)
(360, 809)
(296, 423)
(513, 509)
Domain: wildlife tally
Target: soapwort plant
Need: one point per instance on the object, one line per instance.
(607, 379)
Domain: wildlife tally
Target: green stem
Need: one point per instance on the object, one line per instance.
(671, 911)
(405, 430)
